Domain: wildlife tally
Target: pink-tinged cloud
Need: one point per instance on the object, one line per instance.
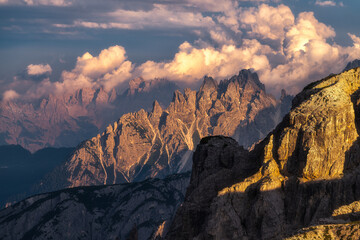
(107, 70)
(10, 95)
(266, 22)
(58, 3)
(305, 55)
(160, 16)
(325, 3)
(38, 69)
(287, 51)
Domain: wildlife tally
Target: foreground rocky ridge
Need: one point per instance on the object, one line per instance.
(158, 143)
(302, 180)
(65, 120)
(100, 212)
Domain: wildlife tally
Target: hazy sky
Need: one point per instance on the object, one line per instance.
(58, 45)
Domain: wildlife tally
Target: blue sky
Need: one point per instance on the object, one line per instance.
(180, 40)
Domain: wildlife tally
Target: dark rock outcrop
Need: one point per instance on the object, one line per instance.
(351, 65)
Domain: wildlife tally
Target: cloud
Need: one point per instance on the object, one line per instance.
(267, 22)
(39, 69)
(107, 70)
(287, 51)
(10, 95)
(159, 16)
(305, 53)
(192, 63)
(58, 3)
(325, 3)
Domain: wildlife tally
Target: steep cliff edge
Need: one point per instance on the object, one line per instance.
(303, 179)
(161, 142)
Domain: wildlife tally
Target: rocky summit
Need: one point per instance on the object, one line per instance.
(301, 182)
(161, 142)
(127, 211)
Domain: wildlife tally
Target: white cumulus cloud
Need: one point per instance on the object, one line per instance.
(38, 69)
(287, 51)
(305, 53)
(107, 70)
(325, 3)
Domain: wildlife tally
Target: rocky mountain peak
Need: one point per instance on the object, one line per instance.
(135, 85)
(69, 118)
(209, 84)
(139, 85)
(354, 64)
(301, 180)
(157, 109)
(161, 141)
(247, 77)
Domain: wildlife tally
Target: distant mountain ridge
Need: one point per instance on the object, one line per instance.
(66, 120)
(144, 144)
(100, 212)
(20, 169)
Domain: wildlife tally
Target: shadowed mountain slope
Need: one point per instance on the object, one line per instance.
(97, 212)
(20, 169)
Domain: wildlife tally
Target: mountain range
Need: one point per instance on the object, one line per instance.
(143, 145)
(20, 169)
(64, 120)
(98, 212)
(300, 182)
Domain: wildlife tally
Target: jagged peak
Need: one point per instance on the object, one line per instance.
(244, 78)
(247, 76)
(208, 84)
(156, 107)
(112, 95)
(283, 94)
(135, 84)
(353, 64)
(178, 96)
(141, 85)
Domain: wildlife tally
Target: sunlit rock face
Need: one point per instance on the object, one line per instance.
(99, 212)
(64, 120)
(161, 142)
(303, 179)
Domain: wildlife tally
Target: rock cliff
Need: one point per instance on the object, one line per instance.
(100, 212)
(161, 142)
(301, 182)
